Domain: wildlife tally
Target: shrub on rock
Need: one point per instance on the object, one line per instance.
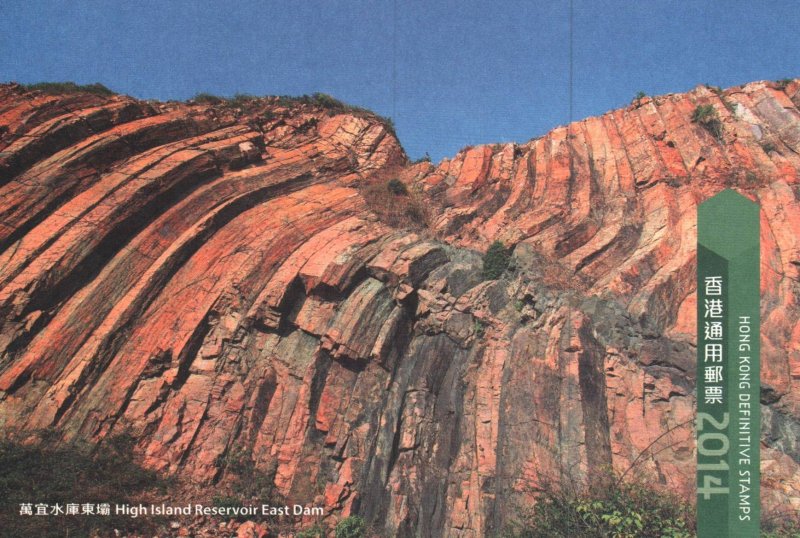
(495, 261)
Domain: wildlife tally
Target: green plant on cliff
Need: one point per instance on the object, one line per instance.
(479, 328)
(708, 118)
(56, 88)
(495, 261)
(783, 83)
(327, 101)
(351, 527)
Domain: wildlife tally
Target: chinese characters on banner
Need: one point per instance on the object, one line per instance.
(728, 390)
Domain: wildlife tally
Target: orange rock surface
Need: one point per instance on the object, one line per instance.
(209, 279)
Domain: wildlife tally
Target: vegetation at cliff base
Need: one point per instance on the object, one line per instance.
(495, 261)
(351, 527)
(315, 531)
(246, 484)
(620, 510)
(46, 472)
(58, 88)
(790, 528)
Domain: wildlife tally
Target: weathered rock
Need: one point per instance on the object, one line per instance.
(211, 281)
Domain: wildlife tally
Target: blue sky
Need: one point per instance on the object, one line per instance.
(450, 73)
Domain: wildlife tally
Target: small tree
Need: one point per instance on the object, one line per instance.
(495, 261)
(351, 527)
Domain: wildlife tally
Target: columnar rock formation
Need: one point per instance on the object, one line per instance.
(209, 278)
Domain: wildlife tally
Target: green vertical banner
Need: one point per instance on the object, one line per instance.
(728, 388)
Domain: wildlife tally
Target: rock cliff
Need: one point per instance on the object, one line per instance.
(211, 278)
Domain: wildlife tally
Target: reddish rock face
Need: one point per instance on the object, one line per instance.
(209, 279)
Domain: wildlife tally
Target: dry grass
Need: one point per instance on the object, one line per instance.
(399, 208)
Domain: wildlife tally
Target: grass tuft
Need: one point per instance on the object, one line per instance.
(59, 88)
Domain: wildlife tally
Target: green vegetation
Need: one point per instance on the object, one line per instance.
(618, 510)
(782, 83)
(703, 113)
(424, 159)
(333, 106)
(639, 96)
(322, 100)
(225, 501)
(58, 88)
(389, 124)
(768, 147)
(730, 105)
(780, 525)
(73, 473)
(239, 100)
(207, 99)
(479, 328)
(229, 501)
(312, 532)
(707, 116)
(308, 125)
(248, 482)
(245, 485)
(328, 101)
(750, 179)
(397, 187)
(351, 527)
(495, 261)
